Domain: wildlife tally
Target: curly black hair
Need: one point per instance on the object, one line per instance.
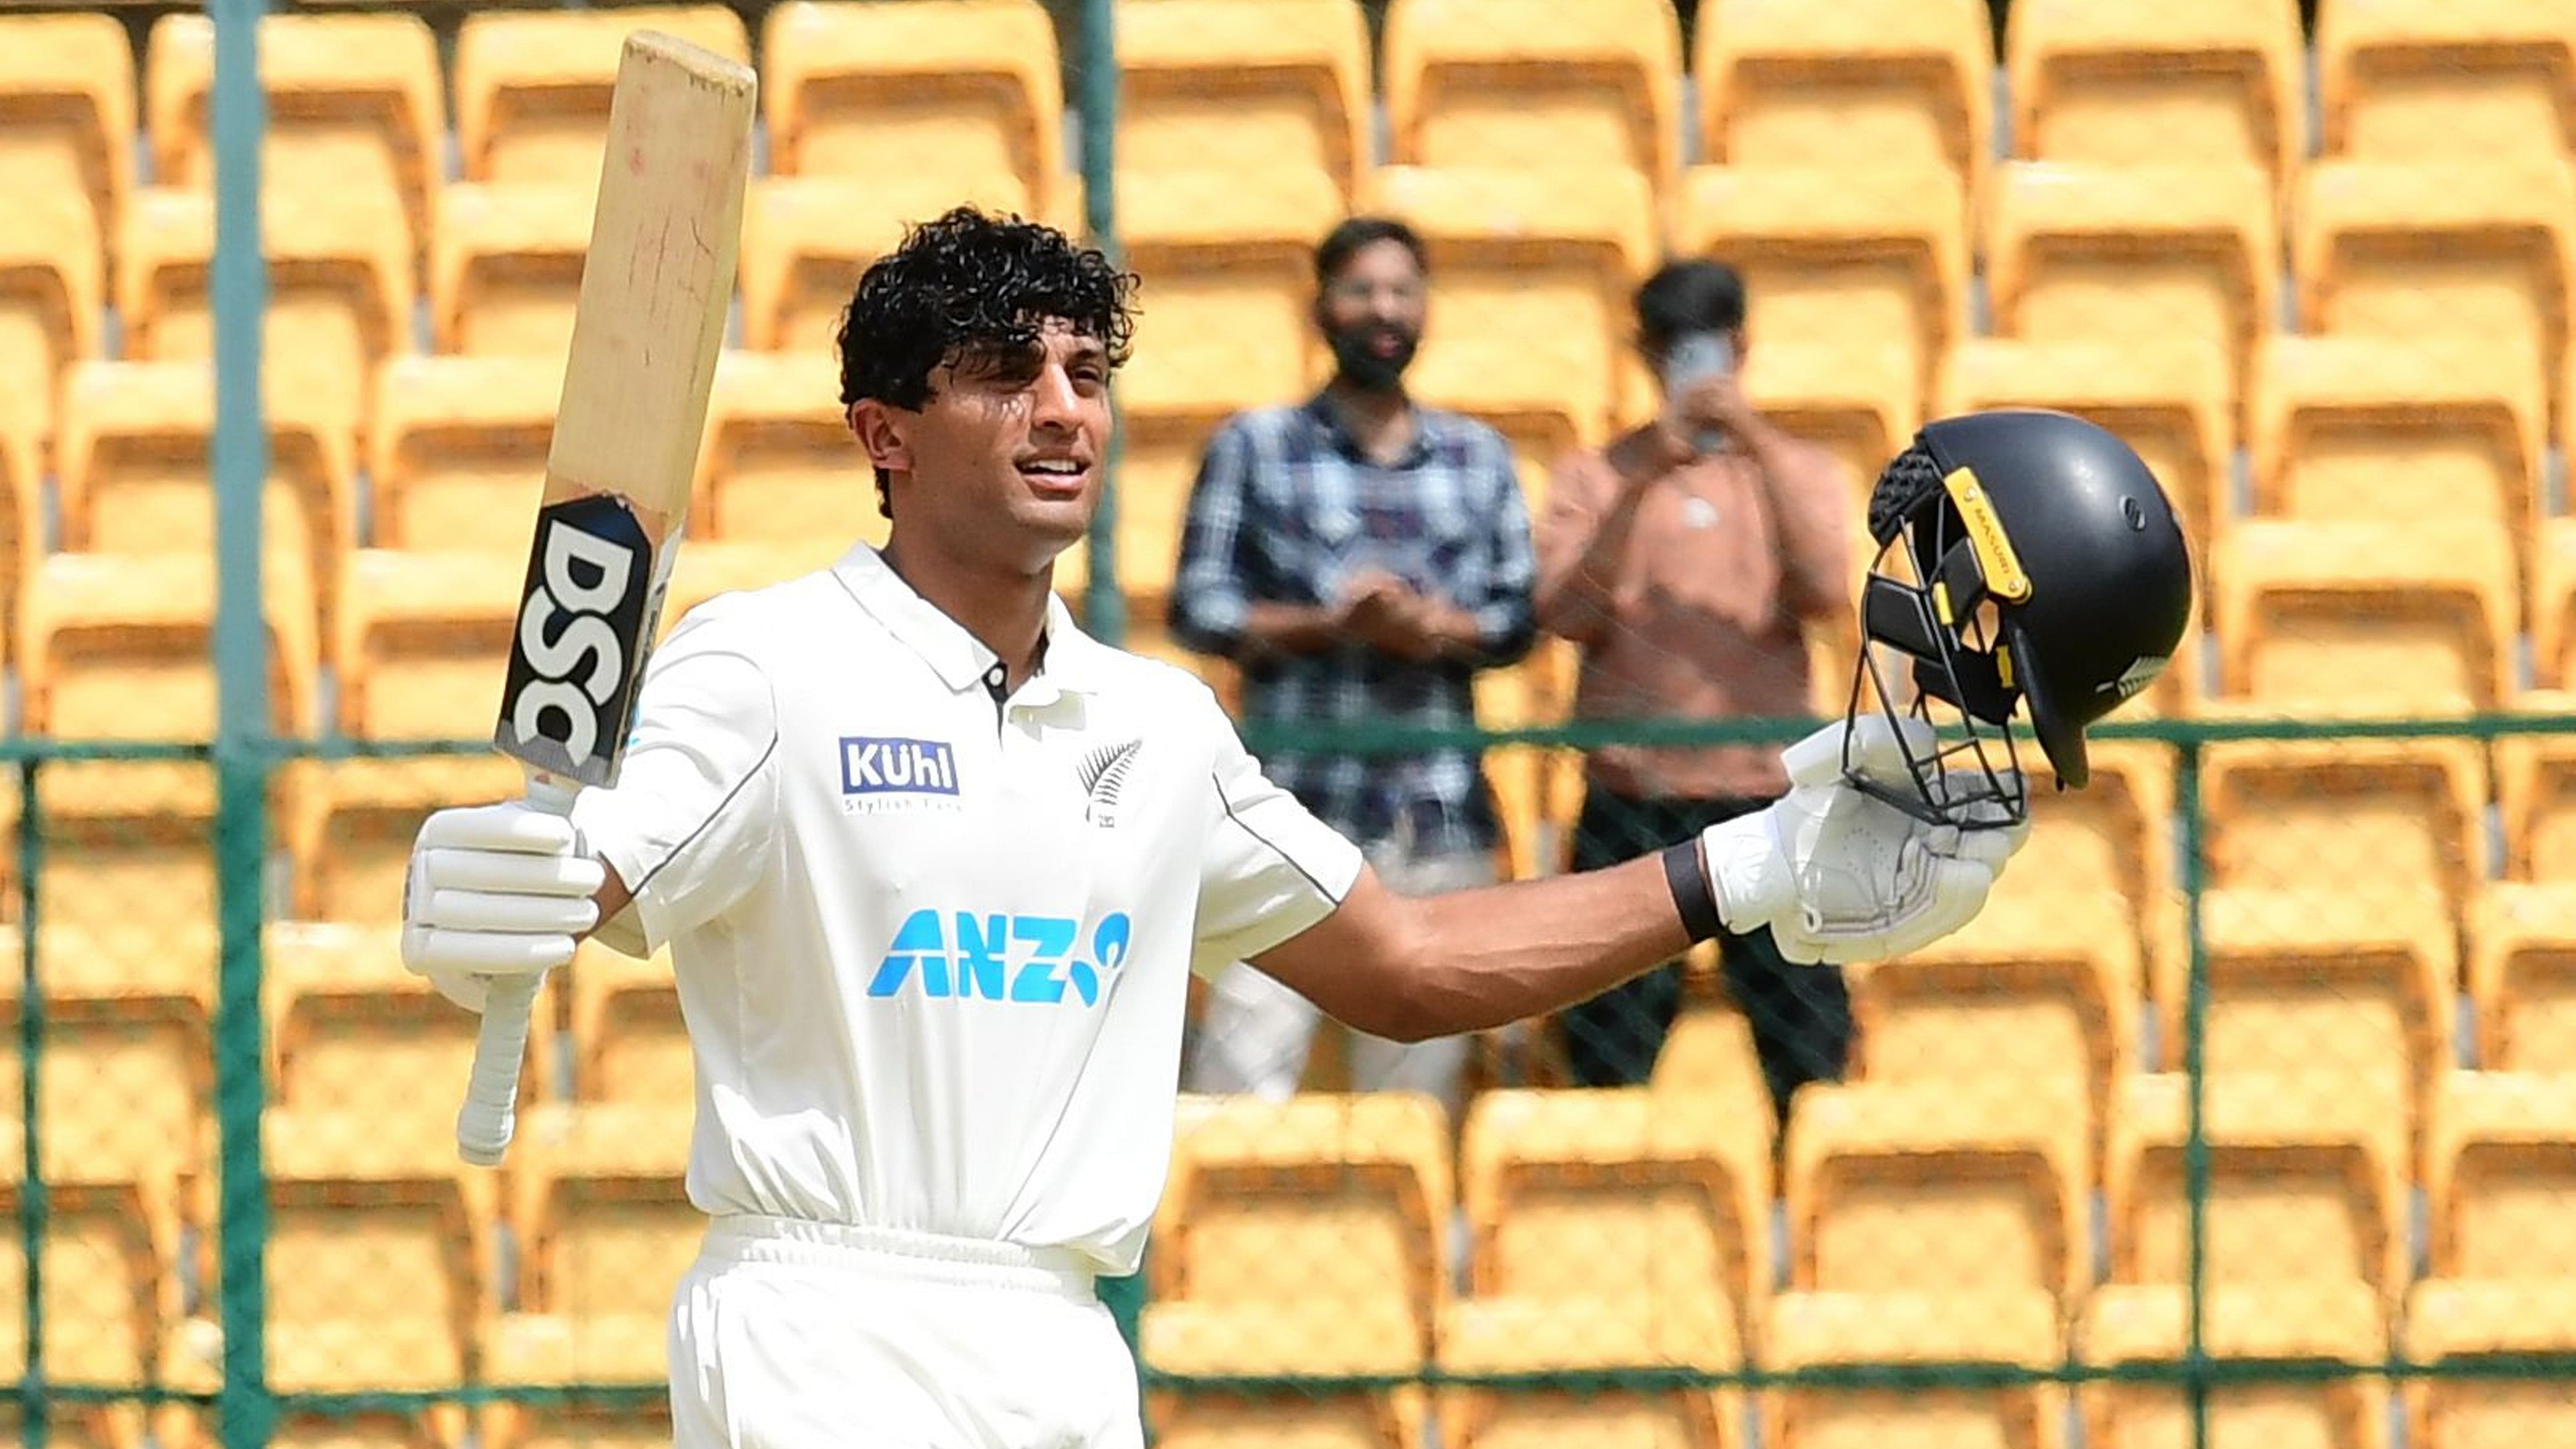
(972, 285)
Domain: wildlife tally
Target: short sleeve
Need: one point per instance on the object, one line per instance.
(693, 820)
(1271, 869)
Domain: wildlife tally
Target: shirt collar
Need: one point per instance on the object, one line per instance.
(1320, 410)
(1070, 664)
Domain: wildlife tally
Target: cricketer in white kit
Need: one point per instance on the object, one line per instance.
(933, 866)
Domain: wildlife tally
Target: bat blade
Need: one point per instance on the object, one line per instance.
(646, 334)
(655, 287)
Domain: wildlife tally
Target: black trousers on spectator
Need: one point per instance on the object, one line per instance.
(1800, 1015)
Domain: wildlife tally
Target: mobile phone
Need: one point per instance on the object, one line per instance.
(1694, 358)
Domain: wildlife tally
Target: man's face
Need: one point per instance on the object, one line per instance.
(1372, 312)
(1003, 463)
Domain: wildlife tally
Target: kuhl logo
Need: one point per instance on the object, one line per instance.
(994, 956)
(878, 765)
(575, 654)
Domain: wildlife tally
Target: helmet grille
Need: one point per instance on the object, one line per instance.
(1909, 478)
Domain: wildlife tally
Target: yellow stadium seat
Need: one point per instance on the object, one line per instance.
(110, 1262)
(22, 520)
(116, 646)
(2113, 835)
(2522, 976)
(2201, 81)
(357, 1039)
(1920, 1189)
(1521, 1336)
(1528, 84)
(629, 1043)
(2346, 817)
(1874, 83)
(2340, 1327)
(376, 1258)
(2429, 249)
(2288, 1164)
(1227, 286)
(2344, 998)
(1338, 1203)
(605, 1227)
(2135, 257)
(1709, 1055)
(1245, 86)
(2550, 574)
(1863, 403)
(351, 825)
(51, 291)
(67, 113)
(532, 86)
(340, 290)
(1625, 1209)
(1856, 261)
(778, 462)
(424, 642)
(505, 268)
(126, 1070)
(459, 454)
(354, 104)
(1184, 1339)
(807, 239)
(555, 1350)
(2171, 405)
(2357, 617)
(2007, 1329)
(2456, 1325)
(1164, 431)
(135, 460)
(2445, 78)
(2036, 993)
(965, 90)
(2374, 428)
(2500, 1158)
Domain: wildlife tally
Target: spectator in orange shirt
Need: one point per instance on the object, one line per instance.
(1688, 560)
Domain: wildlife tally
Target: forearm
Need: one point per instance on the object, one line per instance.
(1483, 958)
(1276, 628)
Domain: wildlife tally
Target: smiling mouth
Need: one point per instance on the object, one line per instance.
(1056, 474)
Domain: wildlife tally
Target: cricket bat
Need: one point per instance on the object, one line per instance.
(655, 286)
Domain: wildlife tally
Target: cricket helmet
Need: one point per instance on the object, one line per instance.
(2026, 559)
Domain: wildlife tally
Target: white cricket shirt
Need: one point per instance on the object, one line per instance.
(932, 946)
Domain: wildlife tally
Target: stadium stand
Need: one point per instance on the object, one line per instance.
(2459, 1328)
(2522, 977)
(51, 289)
(1616, 1212)
(2347, 617)
(604, 1227)
(1521, 84)
(2135, 257)
(1996, 1329)
(2362, 427)
(1862, 402)
(505, 268)
(1894, 83)
(1526, 1336)
(2336, 1328)
(355, 104)
(2416, 250)
(778, 463)
(967, 90)
(1245, 87)
(532, 87)
(1869, 259)
(2200, 82)
(2536, 790)
(340, 299)
(112, 1289)
(67, 100)
(2549, 574)
(2439, 78)
(460, 443)
(2297, 814)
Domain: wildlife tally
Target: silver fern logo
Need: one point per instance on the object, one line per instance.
(1104, 774)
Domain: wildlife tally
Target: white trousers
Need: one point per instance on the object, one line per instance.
(1255, 1035)
(800, 1335)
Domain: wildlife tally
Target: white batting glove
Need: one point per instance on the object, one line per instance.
(495, 890)
(1840, 876)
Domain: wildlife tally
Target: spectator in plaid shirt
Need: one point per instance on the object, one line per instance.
(1360, 557)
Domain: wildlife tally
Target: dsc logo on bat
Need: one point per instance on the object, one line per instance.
(578, 648)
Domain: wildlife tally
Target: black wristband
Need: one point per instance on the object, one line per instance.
(1686, 871)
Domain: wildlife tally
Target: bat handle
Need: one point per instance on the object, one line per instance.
(489, 1117)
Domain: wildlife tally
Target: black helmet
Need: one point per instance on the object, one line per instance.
(2025, 558)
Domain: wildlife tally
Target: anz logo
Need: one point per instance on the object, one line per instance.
(1001, 957)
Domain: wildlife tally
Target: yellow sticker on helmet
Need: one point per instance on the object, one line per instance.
(2002, 568)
